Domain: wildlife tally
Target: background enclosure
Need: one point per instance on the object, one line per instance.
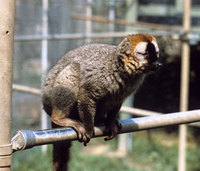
(66, 30)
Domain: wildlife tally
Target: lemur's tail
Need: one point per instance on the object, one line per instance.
(61, 154)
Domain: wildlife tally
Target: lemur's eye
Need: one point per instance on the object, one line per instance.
(142, 53)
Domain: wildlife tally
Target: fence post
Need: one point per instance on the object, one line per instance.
(88, 23)
(125, 140)
(185, 63)
(6, 53)
(44, 59)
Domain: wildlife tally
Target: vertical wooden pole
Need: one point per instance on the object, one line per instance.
(6, 55)
(185, 65)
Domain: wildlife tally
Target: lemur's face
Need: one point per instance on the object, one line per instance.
(142, 53)
(147, 54)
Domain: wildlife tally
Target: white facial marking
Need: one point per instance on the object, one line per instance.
(155, 45)
(140, 50)
(141, 47)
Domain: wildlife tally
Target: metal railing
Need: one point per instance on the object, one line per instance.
(25, 139)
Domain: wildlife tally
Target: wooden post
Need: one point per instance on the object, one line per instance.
(185, 63)
(6, 54)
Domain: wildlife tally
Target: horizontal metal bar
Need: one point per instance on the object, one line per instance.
(142, 112)
(25, 139)
(70, 36)
(138, 112)
(27, 89)
(174, 35)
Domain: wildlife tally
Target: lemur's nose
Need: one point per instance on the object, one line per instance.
(157, 64)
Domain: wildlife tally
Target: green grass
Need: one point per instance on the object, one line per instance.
(31, 160)
(155, 155)
(149, 154)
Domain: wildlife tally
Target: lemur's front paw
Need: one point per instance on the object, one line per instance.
(83, 135)
(89, 134)
(112, 129)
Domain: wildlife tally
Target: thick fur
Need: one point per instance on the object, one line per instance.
(89, 84)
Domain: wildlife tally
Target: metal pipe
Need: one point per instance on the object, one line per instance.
(24, 139)
(26, 89)
(44, 58)
(7, 10)
(44, 43)
(70, 36)
(138, 112)
(91, 35)
(111, 15)
(125, 140)
(142, 112)
(88, 23)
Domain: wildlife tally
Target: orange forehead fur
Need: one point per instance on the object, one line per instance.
(137, 38)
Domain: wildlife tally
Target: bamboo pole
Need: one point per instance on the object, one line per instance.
(184, 91)
(6, 54)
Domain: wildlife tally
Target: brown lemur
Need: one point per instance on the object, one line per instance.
(89, 84)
